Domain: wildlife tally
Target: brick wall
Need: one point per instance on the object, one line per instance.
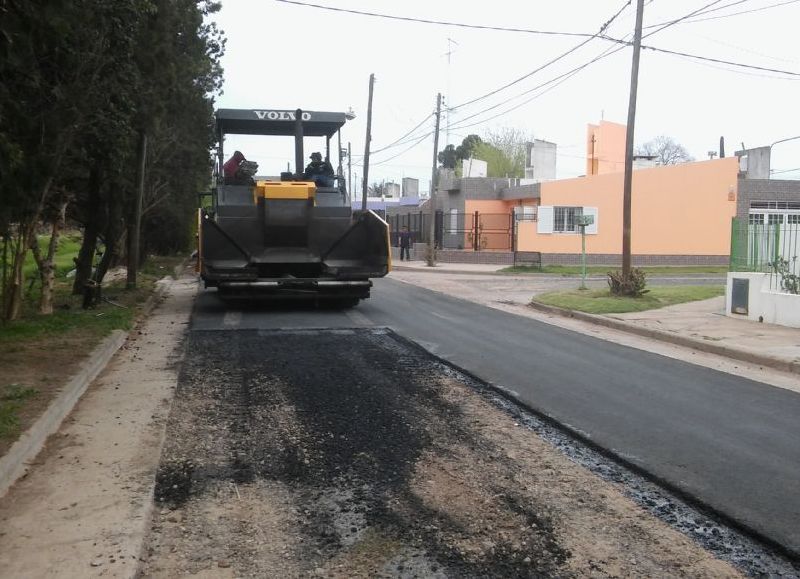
(764, 190)
(637, 260)
(507, 258)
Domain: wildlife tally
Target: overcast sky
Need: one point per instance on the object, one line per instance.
(282, 56)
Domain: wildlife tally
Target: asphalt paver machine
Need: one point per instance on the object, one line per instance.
(288, 236)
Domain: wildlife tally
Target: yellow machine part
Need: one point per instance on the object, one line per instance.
(284, 190)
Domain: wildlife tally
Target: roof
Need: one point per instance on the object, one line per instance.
(277, 122)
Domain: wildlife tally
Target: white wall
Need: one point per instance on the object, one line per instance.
(474, 168)
(764, 304)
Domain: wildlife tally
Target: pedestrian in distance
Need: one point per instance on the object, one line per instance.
(405, 243)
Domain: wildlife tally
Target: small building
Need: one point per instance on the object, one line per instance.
(681, 214)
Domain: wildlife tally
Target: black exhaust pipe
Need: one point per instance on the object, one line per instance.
(298, 142)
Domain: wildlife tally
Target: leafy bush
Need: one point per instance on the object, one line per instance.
(632, 285)
(790, 281)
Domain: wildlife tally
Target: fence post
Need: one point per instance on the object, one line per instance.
(512, 222)
(733, 256)
(475, 221)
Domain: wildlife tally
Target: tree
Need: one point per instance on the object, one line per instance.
(666, 150)
(498, 163)
(512, 143)
(451, 157)
(447, 157)
(467, 147)
(83, 80)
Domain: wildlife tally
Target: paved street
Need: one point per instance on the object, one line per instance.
(731, 442)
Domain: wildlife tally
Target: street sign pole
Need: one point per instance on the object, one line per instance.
(583, 257)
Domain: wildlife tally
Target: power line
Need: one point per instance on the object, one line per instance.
(399, 140)
(702, 10)
(785, 171)
(605, 25)
(557, 80)
(403, 152)
(720, 61)
(438, 22)
(761, 8)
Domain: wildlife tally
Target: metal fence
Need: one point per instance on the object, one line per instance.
(767, 247)
(458, 230)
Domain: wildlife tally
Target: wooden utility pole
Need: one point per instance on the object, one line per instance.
(366, 145)
(434, 181)
(628, 183)
(135, 230)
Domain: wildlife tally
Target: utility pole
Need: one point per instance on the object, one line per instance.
(434, 181)
(349, 172)
(449, 53)
(135, 230)
(366, 145)
(628, 183)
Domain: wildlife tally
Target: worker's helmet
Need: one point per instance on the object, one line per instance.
(316, 156)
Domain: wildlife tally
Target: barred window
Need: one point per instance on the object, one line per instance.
(793, 219)
(756, 219)
(564, 219)
(775, 219)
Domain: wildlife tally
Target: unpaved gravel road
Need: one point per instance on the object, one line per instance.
(346, 453)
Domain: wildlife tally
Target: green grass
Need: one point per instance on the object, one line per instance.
(602, 302)
(570, 270)
(68, 246)
(12, 398)
(69, 316)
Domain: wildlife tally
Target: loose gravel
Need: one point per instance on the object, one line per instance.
(352, 453)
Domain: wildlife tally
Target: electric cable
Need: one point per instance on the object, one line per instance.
(437, 22)
(605, 25)
(759, 9)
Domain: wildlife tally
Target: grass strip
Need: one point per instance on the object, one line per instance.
(12, 398)
(570, 270)
(602, 302)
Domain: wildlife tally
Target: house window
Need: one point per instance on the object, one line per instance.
(775, 219)
(756, 219)
(793, 219)
(564, 219)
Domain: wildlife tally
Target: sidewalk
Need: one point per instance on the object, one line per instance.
(700, 326)
(473, 268)
(703, 325)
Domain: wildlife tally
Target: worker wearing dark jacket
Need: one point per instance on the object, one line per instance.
(319, 171)
(405, 243)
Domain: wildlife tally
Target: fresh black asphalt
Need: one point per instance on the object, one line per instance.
(730, 442)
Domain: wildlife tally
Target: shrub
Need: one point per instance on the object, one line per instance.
(632, 285)
(790, 282)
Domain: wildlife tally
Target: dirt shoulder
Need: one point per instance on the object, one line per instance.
(40, 354)
(84, 509)
(286, 454)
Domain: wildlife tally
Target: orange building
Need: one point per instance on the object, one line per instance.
(680, 213)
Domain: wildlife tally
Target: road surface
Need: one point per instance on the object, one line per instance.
(730, 442)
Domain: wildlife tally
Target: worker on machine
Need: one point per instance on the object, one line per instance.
(231, 167)
(239, 171)
(319, 171)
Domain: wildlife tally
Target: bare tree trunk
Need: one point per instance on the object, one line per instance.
(85, 259)
(135, 227)
(113, 238)
(27, 232)
(47, 267)
(17, 279)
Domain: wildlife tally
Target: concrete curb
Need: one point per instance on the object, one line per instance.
(533, 274)
(14, 463)
(426, 269)
(736, 354)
